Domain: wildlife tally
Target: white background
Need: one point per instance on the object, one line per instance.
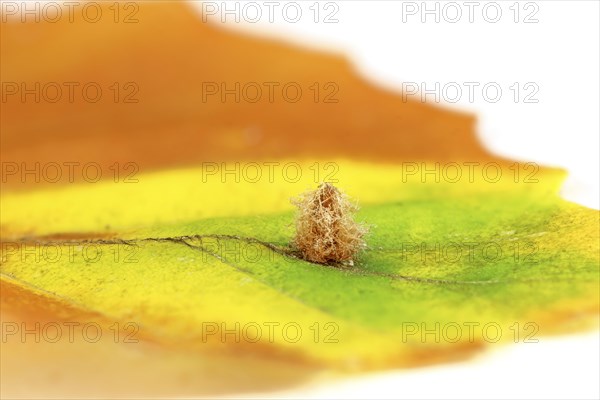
(560, 54)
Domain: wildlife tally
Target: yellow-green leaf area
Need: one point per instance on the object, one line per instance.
(470, 258)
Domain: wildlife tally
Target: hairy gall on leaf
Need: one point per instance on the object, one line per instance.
(325, 228)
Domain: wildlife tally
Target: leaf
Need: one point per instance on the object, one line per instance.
(526, 257)
(169, 57)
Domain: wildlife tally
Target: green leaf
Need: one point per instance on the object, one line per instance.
(442, 275)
